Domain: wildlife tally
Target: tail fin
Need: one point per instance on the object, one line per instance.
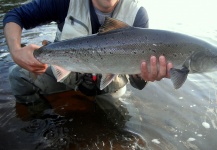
(178, 76)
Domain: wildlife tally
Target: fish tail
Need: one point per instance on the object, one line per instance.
(178, 76)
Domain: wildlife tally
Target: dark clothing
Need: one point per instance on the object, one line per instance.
(39, 12)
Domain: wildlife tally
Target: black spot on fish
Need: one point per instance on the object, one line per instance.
(174, 54)
(154, 51)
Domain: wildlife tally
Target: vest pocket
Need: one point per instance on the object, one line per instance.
(75, 21)
(73, 28)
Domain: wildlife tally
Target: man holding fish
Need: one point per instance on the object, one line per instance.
(75, 18)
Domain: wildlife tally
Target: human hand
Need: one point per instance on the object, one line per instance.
(155, 73)
(25, 59)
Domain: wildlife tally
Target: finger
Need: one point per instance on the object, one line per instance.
(34, 47)
(39, 71)
(169, 66)
(162, 68)
(35, 63)
(37, 66)
(33, 67)
(36, 70)
(144, 71)
(45, 66)
(154, 70)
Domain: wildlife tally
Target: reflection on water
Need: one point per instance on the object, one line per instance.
(158, 117)
(88, 128)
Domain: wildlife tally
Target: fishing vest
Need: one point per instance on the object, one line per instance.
(78, 23)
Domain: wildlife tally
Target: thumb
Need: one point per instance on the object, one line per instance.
(34, 46)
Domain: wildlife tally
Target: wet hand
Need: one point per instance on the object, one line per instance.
(155, 73)
(25, 59)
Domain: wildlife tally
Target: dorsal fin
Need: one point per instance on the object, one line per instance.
(112, 24)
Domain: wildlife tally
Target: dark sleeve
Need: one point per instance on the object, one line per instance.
(137, 82)
(141, 21)
(38, 12)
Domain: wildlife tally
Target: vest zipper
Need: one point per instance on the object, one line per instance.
(73, 20)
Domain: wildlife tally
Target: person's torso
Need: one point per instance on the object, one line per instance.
(79, 20)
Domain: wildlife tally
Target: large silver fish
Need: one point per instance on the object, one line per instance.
(119, 49)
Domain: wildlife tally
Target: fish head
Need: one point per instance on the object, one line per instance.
(37, 53)
(202, 61)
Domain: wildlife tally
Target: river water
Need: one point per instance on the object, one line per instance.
(158, 117)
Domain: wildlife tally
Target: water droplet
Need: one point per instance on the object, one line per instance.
(206, 125)
(191, 139)
(156, 141)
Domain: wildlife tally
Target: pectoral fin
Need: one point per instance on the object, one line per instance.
(178, 76)
(106, 80)
(59, 73)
